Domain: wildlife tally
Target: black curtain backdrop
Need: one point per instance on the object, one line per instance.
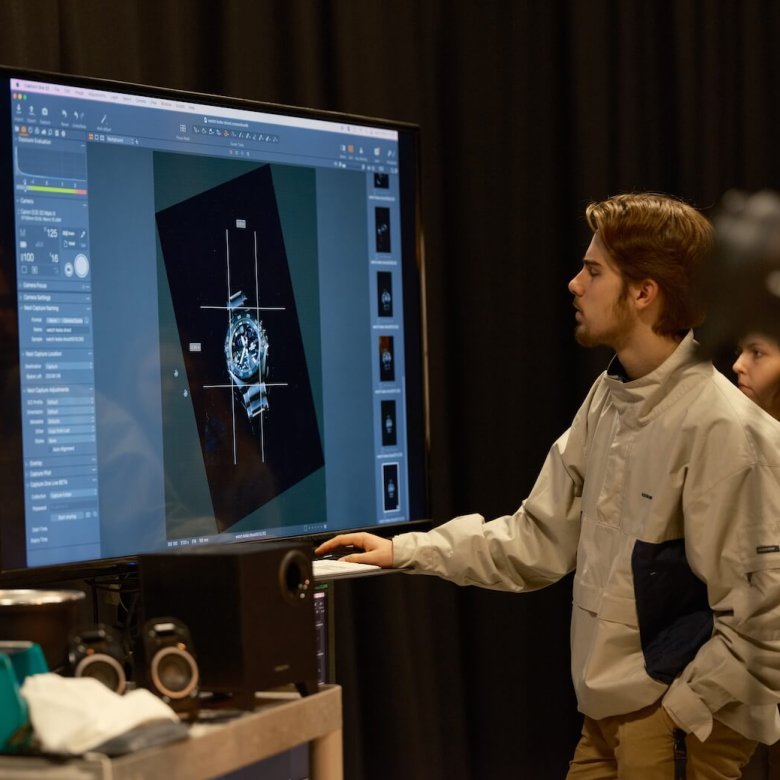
(528, 109)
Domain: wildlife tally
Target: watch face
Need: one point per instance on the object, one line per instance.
(245, 347)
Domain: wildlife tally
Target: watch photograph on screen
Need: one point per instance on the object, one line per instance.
(232, 296)
(246, 353)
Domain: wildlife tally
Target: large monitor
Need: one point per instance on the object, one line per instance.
(211, 320)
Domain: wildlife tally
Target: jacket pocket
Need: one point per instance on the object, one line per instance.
(675, 619)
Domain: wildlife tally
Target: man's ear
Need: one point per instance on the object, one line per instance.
(645, 293)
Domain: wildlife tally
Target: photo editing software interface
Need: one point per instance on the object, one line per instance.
(217, 319)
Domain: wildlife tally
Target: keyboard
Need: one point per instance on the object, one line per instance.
(328, 568)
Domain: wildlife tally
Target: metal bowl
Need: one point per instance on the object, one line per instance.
(42, 616)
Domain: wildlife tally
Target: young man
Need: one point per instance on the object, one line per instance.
(663, 497)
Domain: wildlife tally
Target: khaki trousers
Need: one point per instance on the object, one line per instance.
(640, 746)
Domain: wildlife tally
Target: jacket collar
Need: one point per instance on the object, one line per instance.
(643, 399)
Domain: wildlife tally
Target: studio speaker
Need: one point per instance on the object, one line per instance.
(98, 651)
(166, 664)
(250, 608)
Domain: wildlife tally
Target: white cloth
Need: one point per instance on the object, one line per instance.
(75, 714)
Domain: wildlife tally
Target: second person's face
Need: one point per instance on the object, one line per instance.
(758, 371)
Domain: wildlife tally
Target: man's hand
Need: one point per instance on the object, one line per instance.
(376, 550)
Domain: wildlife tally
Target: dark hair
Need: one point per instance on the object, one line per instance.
(658, 237)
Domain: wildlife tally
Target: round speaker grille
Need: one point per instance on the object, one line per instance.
(104, 668)
(174, 672)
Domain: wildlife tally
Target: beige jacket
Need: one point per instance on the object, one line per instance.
(679, 459)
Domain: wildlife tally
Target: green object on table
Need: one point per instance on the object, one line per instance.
(17, 661)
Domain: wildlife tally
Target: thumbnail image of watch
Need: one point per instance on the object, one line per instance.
(246, 353)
